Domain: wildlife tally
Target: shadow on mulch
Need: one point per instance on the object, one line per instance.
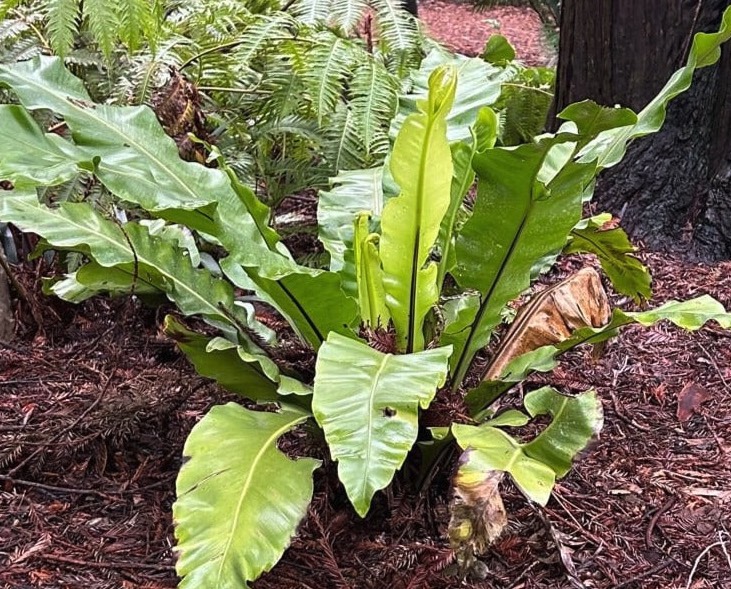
(93, 416)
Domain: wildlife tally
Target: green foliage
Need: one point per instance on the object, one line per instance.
(107, 22)
(239, 498)
(417, 283)
(368, 404)
(535, 465)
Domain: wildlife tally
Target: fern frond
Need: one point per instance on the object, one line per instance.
(23, 50)
(12, 28)
(62, 24)
(282, 90)
(260, 33)
(136, 20)
(101, 19)
(343, 148)
(347, 14)
(398, 29)
(328, 66)
(8, 5)
(312, 11)
(374, 96)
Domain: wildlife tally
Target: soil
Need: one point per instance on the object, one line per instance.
(95, 405)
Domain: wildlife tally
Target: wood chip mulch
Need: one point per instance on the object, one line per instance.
(462, 28)
(93, 416)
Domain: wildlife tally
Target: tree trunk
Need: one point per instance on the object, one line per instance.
(412, 6)
(673, 189)
(7, 322)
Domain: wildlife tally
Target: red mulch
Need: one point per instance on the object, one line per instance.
(462, 28)
(93, 416)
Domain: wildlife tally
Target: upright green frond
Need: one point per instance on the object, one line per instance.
(62, 24)
(312, 11)
(347, 14)
(136, 21)
(327, 68)
(343, 148)
(101, 18)
(398, 28)
(374, 96)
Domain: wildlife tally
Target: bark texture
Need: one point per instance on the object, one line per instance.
(7, 323)
(673, 190)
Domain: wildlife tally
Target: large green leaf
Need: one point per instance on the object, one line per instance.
(225, 366)
(93, 279)
(140, 163)
(517, 221)
(483, 137)
(77, 226)
(239, 498)
(149, 157)
(314, 305)
(535, 465)
(367, 403)
(29, 158)
(609, 148)
(352, 192)
(421, 165)
(629, 276)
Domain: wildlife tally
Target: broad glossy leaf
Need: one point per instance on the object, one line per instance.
(484, 135)
(313, 304)
(368, 403)
(29, 157)
(517, 220)
(78, 227)
(93, 279)
(140, 163)
(352, 192)
(629, 276)
(240, 499)
(535, 465)
(421, 165)
(225, 366)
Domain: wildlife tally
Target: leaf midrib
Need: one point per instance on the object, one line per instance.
(247, 483)
(371, 403)
(115, 130)
(126, 249)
